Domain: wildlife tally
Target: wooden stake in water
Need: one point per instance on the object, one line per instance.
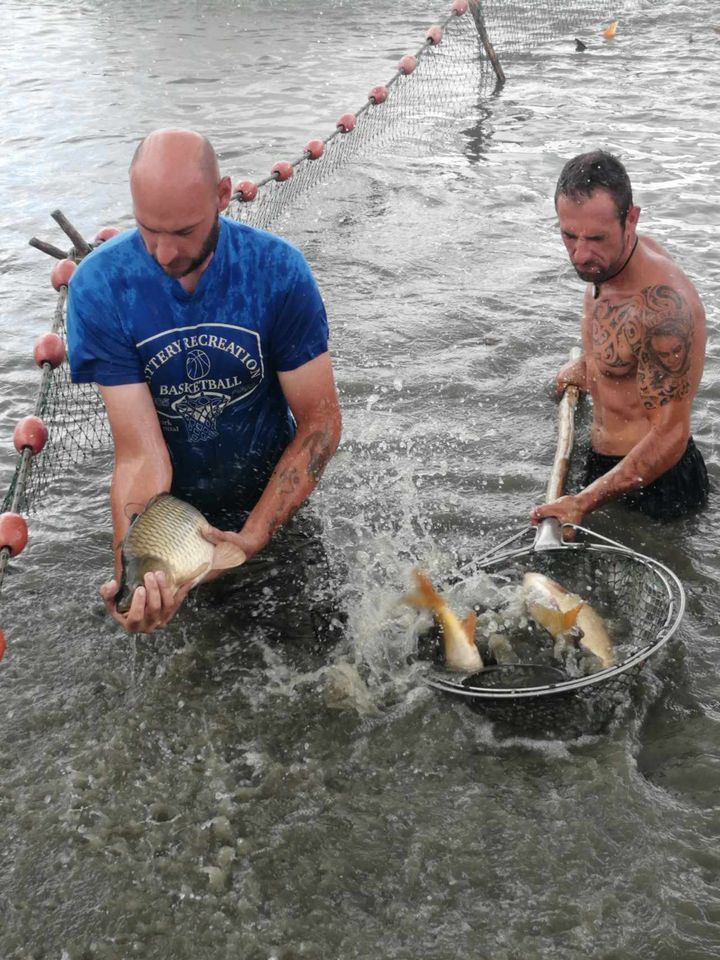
(485, 40)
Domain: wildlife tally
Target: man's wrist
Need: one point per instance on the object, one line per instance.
(253, 537)
(592, 497)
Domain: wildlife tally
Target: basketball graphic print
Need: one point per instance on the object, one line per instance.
(196, 373)
(200, 413)
(197, 364)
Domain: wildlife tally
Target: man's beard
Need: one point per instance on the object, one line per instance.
(601, 276)
(207, 248)
(592, 277)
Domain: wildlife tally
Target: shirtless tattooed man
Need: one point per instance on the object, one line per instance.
(643, 338)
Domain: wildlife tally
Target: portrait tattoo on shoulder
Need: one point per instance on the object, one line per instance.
(665, 347)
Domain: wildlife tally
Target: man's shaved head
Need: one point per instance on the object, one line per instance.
(178, 195)
(174, 152)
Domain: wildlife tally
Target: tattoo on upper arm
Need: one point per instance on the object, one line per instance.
(666, 347)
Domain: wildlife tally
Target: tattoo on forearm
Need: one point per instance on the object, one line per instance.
(319, 450)
(666, 350)
(289, 480)
(279, 519)
(318, 446)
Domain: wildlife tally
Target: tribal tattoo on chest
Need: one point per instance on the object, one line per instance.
(652, 331)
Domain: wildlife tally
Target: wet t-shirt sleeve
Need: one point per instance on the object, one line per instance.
(299, 329)
(99, 349)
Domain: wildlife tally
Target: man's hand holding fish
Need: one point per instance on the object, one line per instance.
(153, 605)
(169, 548)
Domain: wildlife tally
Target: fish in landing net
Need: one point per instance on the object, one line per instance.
(459, 647)
(168, 536)
(559, 612)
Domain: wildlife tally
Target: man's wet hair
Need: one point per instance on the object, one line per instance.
(588, 172)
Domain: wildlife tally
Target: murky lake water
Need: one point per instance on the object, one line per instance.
(207, 794)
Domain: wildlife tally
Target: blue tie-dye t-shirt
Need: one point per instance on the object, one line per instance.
(210, 358)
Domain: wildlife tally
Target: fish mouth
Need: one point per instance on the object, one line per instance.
(123, 598)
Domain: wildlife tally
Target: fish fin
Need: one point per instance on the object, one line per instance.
(227, 555)
(196, 576)
(568, 617)
(426, 596)
(469, 625)
(610, 31)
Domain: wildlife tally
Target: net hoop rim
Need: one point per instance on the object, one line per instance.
(675, 612)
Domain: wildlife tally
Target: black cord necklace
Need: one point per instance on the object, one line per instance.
(596, 286)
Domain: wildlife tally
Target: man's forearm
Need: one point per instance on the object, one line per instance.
(653, 456)
(293, 479)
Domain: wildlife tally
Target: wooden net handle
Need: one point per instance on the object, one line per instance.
(566, 438)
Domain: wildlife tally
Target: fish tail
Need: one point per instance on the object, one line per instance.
(469, 625)
(426, 596)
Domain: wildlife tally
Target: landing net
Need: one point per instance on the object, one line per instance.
(444, 80)
(641, 603)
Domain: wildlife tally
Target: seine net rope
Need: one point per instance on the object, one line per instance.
(450, 76)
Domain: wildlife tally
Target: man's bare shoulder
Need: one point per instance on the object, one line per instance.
(652, 246)
(661, 270)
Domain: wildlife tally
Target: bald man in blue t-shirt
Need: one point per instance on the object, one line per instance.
(209, 342)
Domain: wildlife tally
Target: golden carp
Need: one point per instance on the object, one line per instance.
(459, 647)
(558, 611)
(168, 536)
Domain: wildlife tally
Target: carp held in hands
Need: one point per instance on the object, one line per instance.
(168, 537)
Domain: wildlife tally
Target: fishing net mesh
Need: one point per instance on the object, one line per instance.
(640, 603)
(450, 79)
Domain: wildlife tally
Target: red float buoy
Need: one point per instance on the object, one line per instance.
(247, 189)
(378, 94)
(314, 149)
(407, 63)
(49, 348)
(459, 7)
(30, 432)
(282, 170)
(13, 532)
(3, 644)
(346, 123)
(61, 273)
(105, 233)
(434, 35)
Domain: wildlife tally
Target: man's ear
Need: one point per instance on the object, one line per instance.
(225, 191)
(633, 215)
